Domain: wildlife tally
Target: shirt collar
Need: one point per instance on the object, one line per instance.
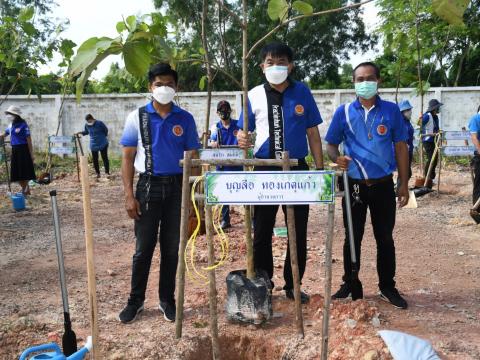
(150, 109)
(358, 105)
(291, 84)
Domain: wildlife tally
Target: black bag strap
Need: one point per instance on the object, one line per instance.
(146, 135)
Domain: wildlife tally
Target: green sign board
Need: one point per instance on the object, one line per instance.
(269, 187)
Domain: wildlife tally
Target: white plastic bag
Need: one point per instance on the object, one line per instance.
(407, 347)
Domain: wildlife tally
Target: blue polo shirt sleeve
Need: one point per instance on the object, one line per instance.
(213, 133)
(192, 142)
(130, 131)
(335, 133)
(26, 130)
(425, 119)
(251, 119)
(7, 131)
(85, 131)
(474, 124)
(314, 118)
(399, 130)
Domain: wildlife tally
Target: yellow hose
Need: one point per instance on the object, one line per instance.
(191, 244)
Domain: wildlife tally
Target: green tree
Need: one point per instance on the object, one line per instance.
(320, 44)
(119, 80)
(28, 38)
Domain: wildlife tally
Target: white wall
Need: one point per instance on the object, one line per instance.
(42, 116)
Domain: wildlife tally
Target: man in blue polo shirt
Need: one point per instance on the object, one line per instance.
(225, 133)
(367, 128)
(154, 140)
(285, 117)
(474, 128)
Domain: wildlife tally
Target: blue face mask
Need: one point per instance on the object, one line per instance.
(366, 89)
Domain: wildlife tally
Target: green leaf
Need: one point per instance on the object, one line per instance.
(121, 27)
(131, 22)
(201, 50)
(137, 57)
(88, 52)
(202, 82)
(29, 28)
(302, 7)
(26, 14)
(82, 80)
(451, 10)
(277, 9)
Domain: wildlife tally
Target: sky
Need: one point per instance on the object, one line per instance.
(90, 18)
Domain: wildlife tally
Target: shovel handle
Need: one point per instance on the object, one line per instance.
(58, 244)
(348, 209)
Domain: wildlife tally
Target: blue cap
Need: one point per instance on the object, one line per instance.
(404, 105)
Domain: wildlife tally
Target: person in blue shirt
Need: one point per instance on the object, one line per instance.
(98, 132)
(430, 125)
(154, 140)
(368, 127)
(474, 128)
(285, 117)
(225, 133)
(406, 110)
(21, 166)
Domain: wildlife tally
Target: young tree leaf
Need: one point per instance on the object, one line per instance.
(137, 57)
(302, 7)
(277, 9)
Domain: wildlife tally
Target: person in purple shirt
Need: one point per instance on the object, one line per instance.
(22, 169)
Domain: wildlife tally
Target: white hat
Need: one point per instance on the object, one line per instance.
(15, 110)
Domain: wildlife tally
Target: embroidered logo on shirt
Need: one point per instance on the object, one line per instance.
(299, 110)
(235, 133)
(177, 130)
(382, 129)
(17, 130)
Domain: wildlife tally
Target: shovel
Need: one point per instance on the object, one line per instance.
(69, 339)
(356, 285)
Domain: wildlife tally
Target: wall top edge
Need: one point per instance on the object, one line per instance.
(233, 93)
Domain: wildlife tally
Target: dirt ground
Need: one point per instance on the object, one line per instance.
(438, 270)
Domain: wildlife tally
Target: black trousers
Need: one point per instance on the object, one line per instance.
(264, 220)
(163, 213)
(429, 148)
(106, 163)
(475, 164)
(380, 199)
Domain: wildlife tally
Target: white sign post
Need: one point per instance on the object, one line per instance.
(269, 187)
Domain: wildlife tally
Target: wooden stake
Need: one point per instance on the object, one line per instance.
(76, 156)
(212, 288)
(328, 280)
(292, 242)
(183, 243)
(430, 166)
(92, 291)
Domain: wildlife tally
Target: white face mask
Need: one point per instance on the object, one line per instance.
(10, 117)
(408, 114)
(164, 94)
(276, 74)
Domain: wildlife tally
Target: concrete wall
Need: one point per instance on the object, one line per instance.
(42, 116)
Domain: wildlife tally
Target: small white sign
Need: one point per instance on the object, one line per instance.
(456, 135)
(458, 150)
(61, 139)
(62, 150)
(269, 187)
(222, 154)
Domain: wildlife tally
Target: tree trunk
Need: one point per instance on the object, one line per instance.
(461, 62)
(209, 73)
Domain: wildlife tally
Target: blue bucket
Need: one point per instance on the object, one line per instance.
(18, 201)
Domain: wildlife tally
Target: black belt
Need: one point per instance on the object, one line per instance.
(162, 179)
(370, 182)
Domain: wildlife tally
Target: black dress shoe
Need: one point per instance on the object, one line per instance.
(303, 297)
